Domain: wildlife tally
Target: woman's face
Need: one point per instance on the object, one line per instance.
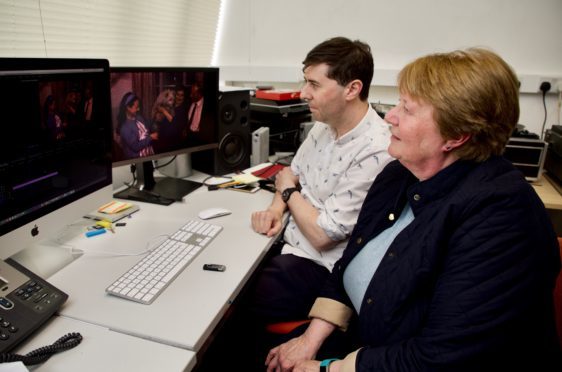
(133, 108)
(416, 141)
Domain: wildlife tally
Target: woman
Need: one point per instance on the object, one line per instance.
(453, 260)
(162, 121)
(134, 136)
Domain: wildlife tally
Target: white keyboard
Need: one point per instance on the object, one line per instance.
(151, 275)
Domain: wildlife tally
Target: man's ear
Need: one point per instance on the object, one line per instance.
(353, 89)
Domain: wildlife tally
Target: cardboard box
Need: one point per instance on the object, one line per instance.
(278, 95)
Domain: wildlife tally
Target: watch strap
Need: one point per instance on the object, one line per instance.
(286, 194)
(325, 364)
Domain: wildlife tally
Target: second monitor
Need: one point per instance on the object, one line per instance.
(162, 112)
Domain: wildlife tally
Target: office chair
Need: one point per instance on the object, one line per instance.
(558, 298)
(283, 328)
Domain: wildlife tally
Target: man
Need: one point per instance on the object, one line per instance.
(179, 121)
(326, 184)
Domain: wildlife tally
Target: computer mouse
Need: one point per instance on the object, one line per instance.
(205, 214)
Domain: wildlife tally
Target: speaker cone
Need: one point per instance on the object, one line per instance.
(233, 149)
(228, 114)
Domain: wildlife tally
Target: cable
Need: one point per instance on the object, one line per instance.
(163, 165)
(42, 354)
(545, 87)
(113, 254)
(544, 121)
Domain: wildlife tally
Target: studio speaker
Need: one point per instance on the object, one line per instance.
(234, 136)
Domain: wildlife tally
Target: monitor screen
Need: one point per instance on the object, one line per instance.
(158, 112)
(57, 144)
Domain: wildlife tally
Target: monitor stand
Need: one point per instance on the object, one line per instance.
(160, 190)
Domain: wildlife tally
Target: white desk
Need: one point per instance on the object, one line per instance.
(186, 313)
(104, 350)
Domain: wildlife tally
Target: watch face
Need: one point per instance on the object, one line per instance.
(286, 194)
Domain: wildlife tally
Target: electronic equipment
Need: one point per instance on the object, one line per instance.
(260, 146)
(151, 275)
(27, 302)
(160, 112)
(283, 118)
(304, 129)
(234, 149)
(527, 155)
(55, 160)
(553, 161)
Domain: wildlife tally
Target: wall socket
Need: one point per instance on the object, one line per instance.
(557, 86)
(532, 83)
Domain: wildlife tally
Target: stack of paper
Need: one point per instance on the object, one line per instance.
(114, 207)
(113, 211)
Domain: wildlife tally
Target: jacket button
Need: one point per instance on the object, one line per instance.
(359, 240)
(391, 217)
(391, 254)
(417, 197)
(369, 301)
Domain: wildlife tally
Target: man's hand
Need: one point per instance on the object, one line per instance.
(285, 179)
(267, 222)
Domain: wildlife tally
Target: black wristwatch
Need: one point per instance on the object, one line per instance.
(286, 194)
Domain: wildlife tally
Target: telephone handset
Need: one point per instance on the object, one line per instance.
(26, 302)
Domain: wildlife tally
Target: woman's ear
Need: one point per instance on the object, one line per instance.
(454, 143)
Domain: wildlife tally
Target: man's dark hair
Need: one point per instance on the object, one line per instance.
(347, 60)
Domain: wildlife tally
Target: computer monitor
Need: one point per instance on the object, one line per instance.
(55, 158)
(161, 112)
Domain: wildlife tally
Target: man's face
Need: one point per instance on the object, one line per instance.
(325, 97)
(195, 93)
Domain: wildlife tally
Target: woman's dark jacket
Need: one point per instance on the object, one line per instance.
(468, 284)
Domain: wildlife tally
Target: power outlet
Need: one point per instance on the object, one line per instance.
(532, 83)
(550, 83)
(545, 87)
(557, 87)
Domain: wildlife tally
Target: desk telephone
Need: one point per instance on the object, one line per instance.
(26, 302)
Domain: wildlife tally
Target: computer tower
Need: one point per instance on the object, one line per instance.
(234, 150)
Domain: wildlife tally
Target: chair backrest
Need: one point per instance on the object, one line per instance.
(558, 298)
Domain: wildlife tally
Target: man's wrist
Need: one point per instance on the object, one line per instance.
(286, 194)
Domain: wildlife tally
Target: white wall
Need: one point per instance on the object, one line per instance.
(264, 41)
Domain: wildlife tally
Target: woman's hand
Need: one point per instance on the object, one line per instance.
(285, 356)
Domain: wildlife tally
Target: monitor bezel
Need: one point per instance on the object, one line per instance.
(102, 186)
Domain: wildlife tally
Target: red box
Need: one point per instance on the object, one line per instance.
(278, 95)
